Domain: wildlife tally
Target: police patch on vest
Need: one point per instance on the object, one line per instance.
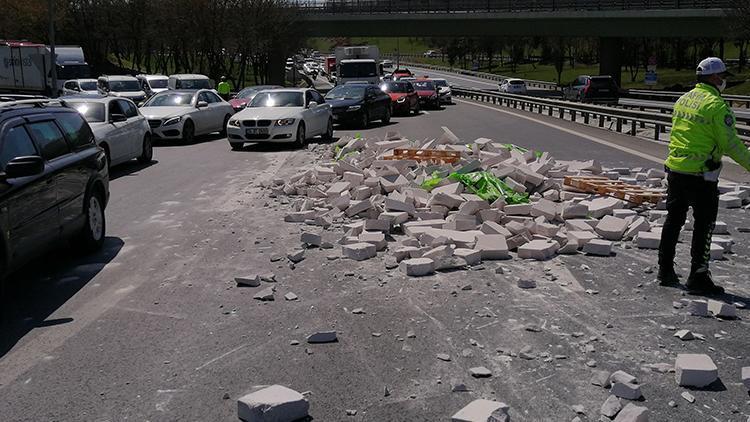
(728, 120)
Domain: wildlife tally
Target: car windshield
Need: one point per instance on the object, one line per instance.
(357, 70)
(400, 87)
(516, 82)
(424, 85)
(88, 86)
(92, 112)
(170, 100)
(278, 99)
(193, 84)
(124, 86)
(347, 92)
(440, 82)
(249, 93)
(600, 83)
(158, 83)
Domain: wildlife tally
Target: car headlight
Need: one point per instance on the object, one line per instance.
(284, 122)
(234, 123)
(353, 108)
(173, 121)
(401, 100)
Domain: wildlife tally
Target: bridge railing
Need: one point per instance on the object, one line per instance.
(631, 122)
(733, 100)
(498, 6)
(531, 83)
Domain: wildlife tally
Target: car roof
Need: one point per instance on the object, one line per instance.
(119, 77)
(155, 76)
(9, 110)
(90, 98)
(188, 76)
(301, 90)
(82, 80)
(515, 79)
(601, 77)
(182, 91)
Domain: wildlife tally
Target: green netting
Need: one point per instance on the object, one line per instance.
(432, 182)
(522, 149)
(488, 187)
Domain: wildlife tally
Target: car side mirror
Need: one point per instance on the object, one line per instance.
(24, 166)
(312, 104)
(202, 104)
(114, 118)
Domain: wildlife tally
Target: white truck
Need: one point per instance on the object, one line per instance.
(359, 63)
(25, 67)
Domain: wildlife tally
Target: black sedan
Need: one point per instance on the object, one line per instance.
(54, 182)
(359, 104)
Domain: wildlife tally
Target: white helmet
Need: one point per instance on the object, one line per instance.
(712, 66)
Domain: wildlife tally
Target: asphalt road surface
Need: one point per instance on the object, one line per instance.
(153, 328)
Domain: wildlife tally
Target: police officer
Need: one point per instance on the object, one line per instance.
(224, 88)
(703, 130)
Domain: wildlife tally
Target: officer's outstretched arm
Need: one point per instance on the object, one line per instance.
(728, 140)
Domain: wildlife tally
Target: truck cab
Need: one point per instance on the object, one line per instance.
(361, 63)
(121, 86)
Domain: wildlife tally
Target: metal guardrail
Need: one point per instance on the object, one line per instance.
(738, 100)
(531, 83)
(464, 6)
(622, 118)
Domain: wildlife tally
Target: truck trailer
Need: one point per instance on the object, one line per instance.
(358, 63)
(25, 67)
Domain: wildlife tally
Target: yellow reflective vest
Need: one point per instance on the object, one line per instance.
(703, 127)
(224, 88)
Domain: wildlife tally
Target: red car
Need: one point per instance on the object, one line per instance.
(243, 97)
(404, 98)
(401, 73)
(428, 93)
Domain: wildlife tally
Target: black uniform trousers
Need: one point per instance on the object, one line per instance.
(683, 192)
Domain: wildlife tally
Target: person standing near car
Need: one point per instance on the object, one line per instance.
(224, 88)
(703, 130)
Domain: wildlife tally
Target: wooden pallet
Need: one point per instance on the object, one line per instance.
(435, 155)
(614, 188)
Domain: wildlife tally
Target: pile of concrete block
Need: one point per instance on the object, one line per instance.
(380, 205)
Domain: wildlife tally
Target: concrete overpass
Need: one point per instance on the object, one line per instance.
(611, 21)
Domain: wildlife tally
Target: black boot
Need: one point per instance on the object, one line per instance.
(701, 283)
(667, 277)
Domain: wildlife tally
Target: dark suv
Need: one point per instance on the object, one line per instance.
(593, 89)
(54, 182)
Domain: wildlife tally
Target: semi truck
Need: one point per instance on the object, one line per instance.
(25, 67)
(358, 63)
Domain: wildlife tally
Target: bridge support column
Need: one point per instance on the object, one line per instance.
(277, 65)
(610, 57)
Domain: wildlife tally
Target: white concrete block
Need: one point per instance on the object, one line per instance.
(721, 309)
(745, 375)
(489, 227)
(729, 201)
(517, 209)
(354, 179)
(417, 267)
(452, 201)
(453, 188)
(479, 410)
(581, 237)
(572, 210)
(598, 247)
(359, 251)
(632, 413)
(312, 239)
(273, 404)
(545, 208)
(599, 207)
(648, 240)
(639, 224)
(538, 249)
(698, 307)
(394, 217)
(492, 246)
(374, 238)
(337, 189)
(695, 370)
(626, 390)
(611, 228)
(471, 256)
(721, 228)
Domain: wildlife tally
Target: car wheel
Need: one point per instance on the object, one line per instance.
(147, 150)
(329, 131)
(223, 131)
(188, 132)
(365, 120)
(387, 117)
(107, 157)
(301, 136)
(416, 109)
(91, 237)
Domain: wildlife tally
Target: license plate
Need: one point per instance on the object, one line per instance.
(257, 131)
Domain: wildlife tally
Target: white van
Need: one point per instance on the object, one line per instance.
(189, 81)
(153, 84)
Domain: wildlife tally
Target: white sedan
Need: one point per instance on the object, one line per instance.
(513, 86)
(282, 115)
(118, 126)
(183, 114)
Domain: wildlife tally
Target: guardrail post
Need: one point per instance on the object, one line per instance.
(549, 110)
(523, 105)
(586, 118)
(562, 113)
(572, 115)
(632, 127)
(619, 125)
(601, 120)
(657, 131)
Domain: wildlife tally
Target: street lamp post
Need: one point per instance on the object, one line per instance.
(52, 58)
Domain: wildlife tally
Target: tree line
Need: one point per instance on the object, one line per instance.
(236, 38)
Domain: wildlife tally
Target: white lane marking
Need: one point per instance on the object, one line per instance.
(451, 76)
(572, 132)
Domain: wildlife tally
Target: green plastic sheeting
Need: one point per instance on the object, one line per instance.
(482, 184)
